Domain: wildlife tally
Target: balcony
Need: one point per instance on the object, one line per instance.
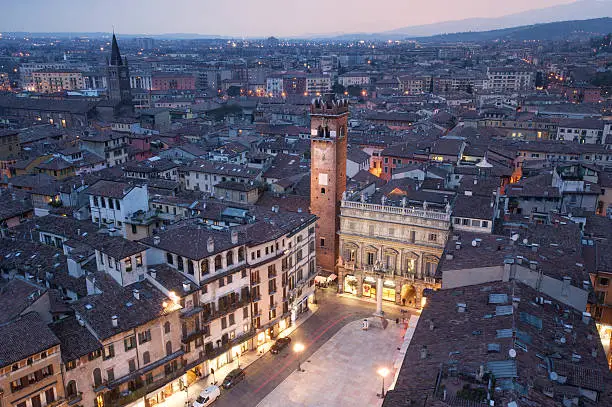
(397, 210)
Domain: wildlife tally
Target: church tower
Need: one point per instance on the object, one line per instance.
(328, 139)
(118, 77)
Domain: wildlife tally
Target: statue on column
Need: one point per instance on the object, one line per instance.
(344, 196)
(383, 200)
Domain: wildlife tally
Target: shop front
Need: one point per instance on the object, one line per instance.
(160, 395)
(369, 289)
(350, 284)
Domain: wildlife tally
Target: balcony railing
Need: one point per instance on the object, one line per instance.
(397, 210)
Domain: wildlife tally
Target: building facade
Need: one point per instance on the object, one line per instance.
(404, 244)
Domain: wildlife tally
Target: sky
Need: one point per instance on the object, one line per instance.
(246, 18)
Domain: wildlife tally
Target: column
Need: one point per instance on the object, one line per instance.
(379, 289)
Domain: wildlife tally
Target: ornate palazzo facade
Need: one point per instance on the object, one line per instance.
(404, 242)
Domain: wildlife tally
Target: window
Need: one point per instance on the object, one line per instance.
(229, 258)
(231, 319)
(146, 358)
(241, 254)
(97, 377)
(230, 278)
(221, 282)
(144, 337)
(223, 323)
(218, 265)
(603, 281)
(168, 348)
(50, 395)
(109, 352)
(370, 256)
(139, 260)
(322, 241)
(132, 365)
(169, 258)
(204, 267)
(134, 231)
(245, 312)
(179, 263)
(167, 327)
(129, 343)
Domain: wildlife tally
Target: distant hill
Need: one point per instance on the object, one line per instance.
(578, 10)
(550, 31)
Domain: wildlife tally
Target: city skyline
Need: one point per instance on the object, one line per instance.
(262, 19)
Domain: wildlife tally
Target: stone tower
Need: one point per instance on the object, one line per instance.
(118, 76)
(328, 130)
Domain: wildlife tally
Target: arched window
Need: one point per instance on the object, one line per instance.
(218, 265)
(190, 267)
(97, 377)
(241, 254)
(167, 327)
(71, 388)
(169, 258)
(204, 267)
(168, 348)
(146, 358)
(179, 263)
(229, 257)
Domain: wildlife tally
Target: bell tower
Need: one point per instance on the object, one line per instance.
(118, 77)
(328, 139)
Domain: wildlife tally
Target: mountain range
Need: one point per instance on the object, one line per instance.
(578, 10)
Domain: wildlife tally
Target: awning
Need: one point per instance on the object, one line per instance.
(320, 280)
(332, 277)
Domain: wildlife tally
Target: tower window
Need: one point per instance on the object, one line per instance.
(322, 190)
(322, 242)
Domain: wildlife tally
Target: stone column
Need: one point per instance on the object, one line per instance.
(379, 295)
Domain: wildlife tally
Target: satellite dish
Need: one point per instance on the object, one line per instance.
(525, 241)
(563, 340)
(512, 353)
(554, 376)
(515, 237)
(474, 243)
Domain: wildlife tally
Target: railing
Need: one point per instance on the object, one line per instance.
(397, 210)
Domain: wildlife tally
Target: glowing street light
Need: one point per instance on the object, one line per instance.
(298, 348)
(383, 372)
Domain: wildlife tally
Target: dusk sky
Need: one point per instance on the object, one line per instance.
(246, 17)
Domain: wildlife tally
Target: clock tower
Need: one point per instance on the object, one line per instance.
(328, 139)
(118, 77)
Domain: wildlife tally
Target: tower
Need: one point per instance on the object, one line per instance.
(118, 74)
(328, 138)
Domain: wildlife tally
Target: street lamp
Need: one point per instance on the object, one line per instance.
(298, 348)
(383, 372)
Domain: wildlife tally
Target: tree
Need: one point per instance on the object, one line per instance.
(233, 91)
(338, 88)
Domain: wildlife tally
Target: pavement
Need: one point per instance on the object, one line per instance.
(264, 371)
(343, 372)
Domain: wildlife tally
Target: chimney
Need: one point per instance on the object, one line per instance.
(156, 240)
(586, 285)
(153, 273)
(461, 307)
(234, 236)
(424, 352)
(210, 244)
(136, 294)
(475, 181)
(533, 265)
(186, 286)
(115, 320)
(458, 245)
(534, 247)
(586, 317)
(449, 256)
(567, 281)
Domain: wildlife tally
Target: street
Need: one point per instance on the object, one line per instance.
(265, 374)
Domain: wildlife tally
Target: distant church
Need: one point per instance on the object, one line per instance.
(119, 94)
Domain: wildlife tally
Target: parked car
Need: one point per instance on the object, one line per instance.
(280, 344)
(207, 396)
(233, 377)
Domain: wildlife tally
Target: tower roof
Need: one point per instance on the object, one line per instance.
(115, 54)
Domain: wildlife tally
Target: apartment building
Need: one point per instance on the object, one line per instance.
(30, 370)
(112, 203)
(510, 79)
(200, 175)
(52, 80)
